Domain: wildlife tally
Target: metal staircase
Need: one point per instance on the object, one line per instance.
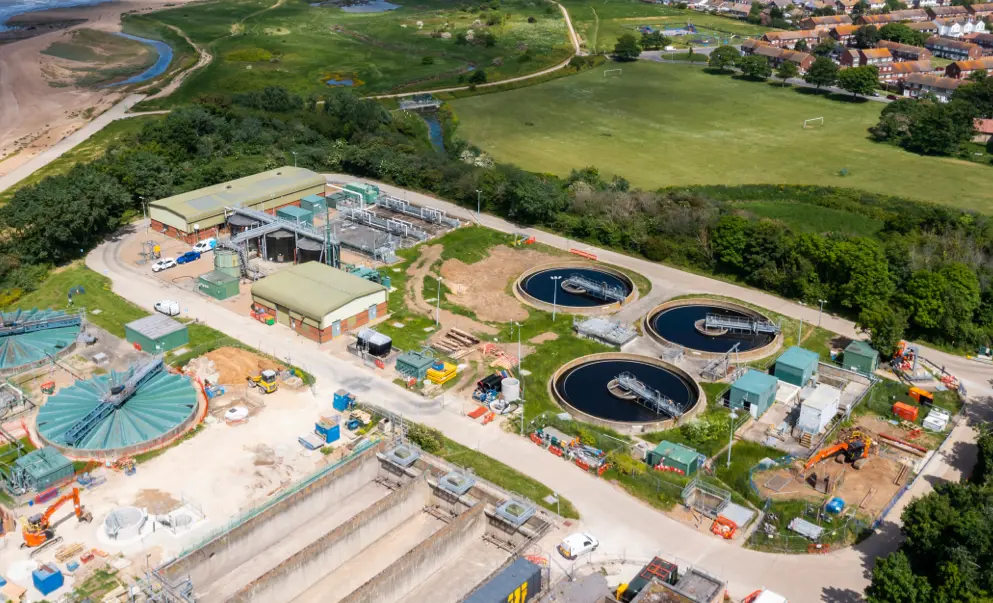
(740, 324)
(114, 398)
(268, 224)
(647, 396)
(593, 288)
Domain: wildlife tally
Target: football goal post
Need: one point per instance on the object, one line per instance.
(612, 73)
(813, 121)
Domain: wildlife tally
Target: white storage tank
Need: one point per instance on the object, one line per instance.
(819, 408)
(511, 389)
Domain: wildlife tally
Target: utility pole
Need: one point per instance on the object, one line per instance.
(479, 203)
(294, 158)
(731, 437)
(799, 335)
(555, 294)
(819, 312)
(437, 314)
(144, 213)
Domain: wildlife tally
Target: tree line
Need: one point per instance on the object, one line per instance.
(926, 273)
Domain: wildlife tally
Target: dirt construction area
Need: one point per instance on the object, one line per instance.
(233, 365)
(869, 489)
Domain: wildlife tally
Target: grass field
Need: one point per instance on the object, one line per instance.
(805, 217)
(660, 125)
(88, 150)
(599, 24)
(301, 47)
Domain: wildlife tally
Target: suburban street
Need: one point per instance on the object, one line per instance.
(626, 527)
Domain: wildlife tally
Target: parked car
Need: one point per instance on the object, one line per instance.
(578, 544)
(163, 264)
(189, 256)
(168, 307)
(205, 245)
(891, 97)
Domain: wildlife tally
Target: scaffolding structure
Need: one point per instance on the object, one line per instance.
(740, 324)
(648, 396)
(707, 499)
(718, 368)
(267, 224)
(603, 330)
(577, 283)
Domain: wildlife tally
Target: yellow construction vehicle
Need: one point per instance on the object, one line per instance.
(265, 381)
(853, 449)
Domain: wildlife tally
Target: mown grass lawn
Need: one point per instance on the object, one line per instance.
(661, 125)
(298, 46)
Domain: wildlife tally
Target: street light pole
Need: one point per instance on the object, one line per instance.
(144, 214)
(731, 437)
(437, 314)
(294, 158)
(819, 312)
(479, 203)
(555, 294)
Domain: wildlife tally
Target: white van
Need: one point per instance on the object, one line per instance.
(167, 307)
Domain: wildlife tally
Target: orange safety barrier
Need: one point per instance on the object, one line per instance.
(537, 440)
(724, 527)
(582, 464)
(489, 417)
(583, 254)
(480, 411)
(380, 363)
(813, 547)
(555, 450)
(602, 468)
(537, 560)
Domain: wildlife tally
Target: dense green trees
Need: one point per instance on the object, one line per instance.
(899, 32)
(787, 70)
(627, 48)
(653, 40)
(823, 72)
(866, 36)
(724, 58)
(755, 67)
(859, 80)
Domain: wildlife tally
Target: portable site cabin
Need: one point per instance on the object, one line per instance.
(156, 333)
(756, 390)
(819, 408)
(796, 366)
(219, 285)
(674, 456)
(861, 358)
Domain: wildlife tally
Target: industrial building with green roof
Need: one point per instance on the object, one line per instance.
(797, 366)
(861, 358)
(756, 390)
(675, 456)
(318, 301)
(200, 213)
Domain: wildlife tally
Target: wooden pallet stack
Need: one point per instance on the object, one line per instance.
(456, 343)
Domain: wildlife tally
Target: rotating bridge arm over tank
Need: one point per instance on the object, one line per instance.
(648, 396)
(114, 398)
(579, 283)
(740, 324)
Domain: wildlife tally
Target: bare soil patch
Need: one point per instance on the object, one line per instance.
(482, 287)
(235, 364)
(539, 339)
(155, 501)
(415, 295)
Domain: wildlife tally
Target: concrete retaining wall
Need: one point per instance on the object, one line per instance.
(428, 557)
(523, 295)
(625, 426)
(755, 354)
(307, 567)
(231, 549)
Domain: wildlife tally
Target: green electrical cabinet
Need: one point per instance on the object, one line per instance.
(292, 213)
(861, 358)
(315, 204)
(796, 366)
(756, 389)
(41, 468)
(675, 456)
(219, 285)
(157, 333)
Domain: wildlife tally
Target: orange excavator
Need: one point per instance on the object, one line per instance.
(38, 531)
(853, 449)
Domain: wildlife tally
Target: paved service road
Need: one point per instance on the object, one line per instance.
(626, 527)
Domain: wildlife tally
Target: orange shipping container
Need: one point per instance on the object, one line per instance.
(905, 411)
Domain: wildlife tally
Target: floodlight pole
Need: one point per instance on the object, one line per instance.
(819, 312)
(294, 158)
(731, 437)
(479, 203)
(144, 215)
(555, 294)
(437, 315)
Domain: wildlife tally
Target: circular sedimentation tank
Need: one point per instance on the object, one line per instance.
(683, 323)
(21, 350)
(125, 523)
(561, 285)
(163, 406)
(589, 388)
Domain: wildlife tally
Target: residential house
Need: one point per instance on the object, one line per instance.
(905, 52)
(777, 56)
(984, 130)
(788, 39)
(927, 27)
(956, 27)
(913, 15)
(844, 7)
(931, 3)
(739, 10)
(879, 58)
(962, 69)
(917, 84)
(876, 4)
(825, 23)
(845, 34)
(983, 40)
(955, 50)
(947, 12)
(784, 5)
(898, 72)
(981, 10)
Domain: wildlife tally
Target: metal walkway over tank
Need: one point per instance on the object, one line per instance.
(267, 224)
(428, 214)
(594, 289)
(393, 226)
(18, 322)
(740, 324)
(648, 396)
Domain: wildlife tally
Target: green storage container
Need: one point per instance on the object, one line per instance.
(861, 358)
(756, 389)
(675, 456)
(796, 366)
(219, 285)
(292, 213)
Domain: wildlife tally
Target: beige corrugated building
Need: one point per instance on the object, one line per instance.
(200, 213)
(320, 302)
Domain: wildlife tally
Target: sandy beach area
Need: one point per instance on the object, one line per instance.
(35, 115)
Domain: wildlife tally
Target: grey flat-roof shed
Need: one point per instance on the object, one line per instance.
(157, 333)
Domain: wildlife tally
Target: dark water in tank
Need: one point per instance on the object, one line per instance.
(541, 286)
(585, 388)
(678, 326)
